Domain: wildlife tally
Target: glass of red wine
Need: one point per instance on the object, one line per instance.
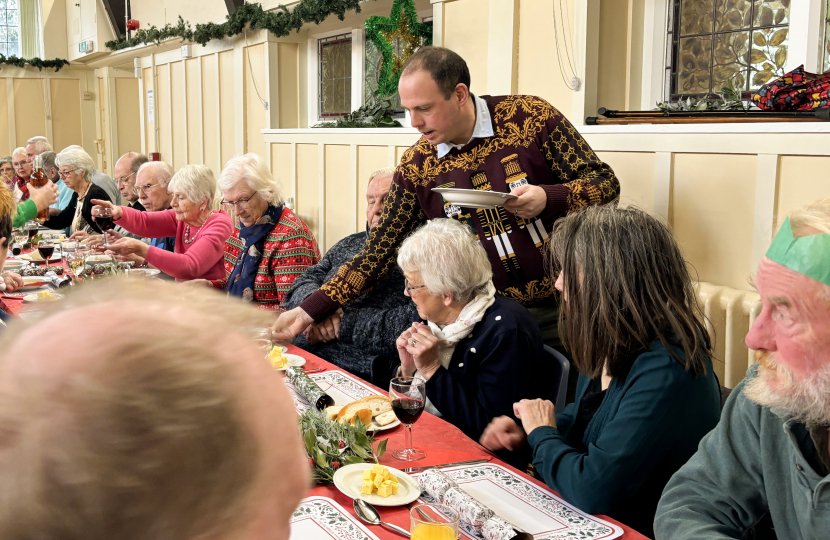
(45, 249)
(103, 218)
(408, 396)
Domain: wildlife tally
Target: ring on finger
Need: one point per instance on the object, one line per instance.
(414, 342)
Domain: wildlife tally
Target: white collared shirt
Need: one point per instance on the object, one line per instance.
(483, 128)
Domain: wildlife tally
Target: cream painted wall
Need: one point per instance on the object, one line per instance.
(128, 115)
(713, 205)
(539, 73)
(161, 12)
(210, 111)
(801, 180)
(340, 193)
(227, 101)
(29, 96)
(193, 109)
(289, 85)
(468, 21)
(613, 36)
(369, 159)
(309, 170)
(255, 113)
(635, 171)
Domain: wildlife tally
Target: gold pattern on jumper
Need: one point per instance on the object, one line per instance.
(378, 255)
(533, 291)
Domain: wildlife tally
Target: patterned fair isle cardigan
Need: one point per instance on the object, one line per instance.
(290, 248)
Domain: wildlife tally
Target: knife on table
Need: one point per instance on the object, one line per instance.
(442, 466)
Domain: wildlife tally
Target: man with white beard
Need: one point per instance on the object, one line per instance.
(767, 464)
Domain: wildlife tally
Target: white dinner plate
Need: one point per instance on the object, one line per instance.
(14, 265)
(34, 298)
(349, 480)
(143, 272)
(35, 256)
(31, 283)
(474, 198)
(98, 259)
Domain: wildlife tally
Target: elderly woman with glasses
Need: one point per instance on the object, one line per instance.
(478, 351)
(200, 231)
(270, 246)
(75, 169)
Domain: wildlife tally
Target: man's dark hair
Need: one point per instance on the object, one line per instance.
(446, 68)
(137, 162)
(49, 160)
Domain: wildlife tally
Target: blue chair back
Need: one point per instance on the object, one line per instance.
(560, 377)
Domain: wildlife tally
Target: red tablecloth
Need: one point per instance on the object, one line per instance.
(442, 442)
(13, 306)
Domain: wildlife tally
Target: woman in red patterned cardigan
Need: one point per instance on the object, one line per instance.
(270, 245)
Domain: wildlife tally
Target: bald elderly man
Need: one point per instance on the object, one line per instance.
(764, 471)
(110, 435)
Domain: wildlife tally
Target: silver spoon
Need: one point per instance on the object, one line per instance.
(367, 513)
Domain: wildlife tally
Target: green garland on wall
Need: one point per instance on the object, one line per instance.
(279, 22)
(39, 63)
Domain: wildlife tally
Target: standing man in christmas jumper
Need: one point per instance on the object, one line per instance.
(518, 144)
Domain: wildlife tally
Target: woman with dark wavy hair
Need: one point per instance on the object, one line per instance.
(647, 392)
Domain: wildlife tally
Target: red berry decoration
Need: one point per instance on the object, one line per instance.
(312, 462)
(335, 465)
(342, 445)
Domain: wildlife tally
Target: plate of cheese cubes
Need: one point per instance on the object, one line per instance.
(377, 484)
(281, 360)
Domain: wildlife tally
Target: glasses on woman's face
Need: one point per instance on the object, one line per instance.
(64, 174)
(409, 288)
(242, 204)
(138, 190)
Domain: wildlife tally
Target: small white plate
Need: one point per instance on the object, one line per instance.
(293, 361)
(474, 198)
(99, 259)
(144, 272)
(33, 298)
(349, 480)
(33, 282)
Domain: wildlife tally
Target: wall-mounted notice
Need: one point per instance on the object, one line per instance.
(151, 110)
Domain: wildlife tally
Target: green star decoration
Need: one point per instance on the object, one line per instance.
(402, 24)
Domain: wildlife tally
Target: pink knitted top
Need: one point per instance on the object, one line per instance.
(201, 259)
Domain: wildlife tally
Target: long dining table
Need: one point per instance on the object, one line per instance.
(443, 444)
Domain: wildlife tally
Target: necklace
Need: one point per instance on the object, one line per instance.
(187, 231)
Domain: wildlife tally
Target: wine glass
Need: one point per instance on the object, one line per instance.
(103, 218)
(20, 237)
(433, 522)
(46, 248)
(408, 396)
(31, 229)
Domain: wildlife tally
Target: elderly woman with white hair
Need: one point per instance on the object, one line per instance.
(200, 230)
(75, 169)
(478, 351)
(270, 246)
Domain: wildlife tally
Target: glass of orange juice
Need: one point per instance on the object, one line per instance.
(433, 522)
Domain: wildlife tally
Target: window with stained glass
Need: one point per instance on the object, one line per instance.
(335, 75)
(713, 42)
(9, 28)
(371, 69)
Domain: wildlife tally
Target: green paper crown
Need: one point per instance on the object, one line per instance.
(807, 255)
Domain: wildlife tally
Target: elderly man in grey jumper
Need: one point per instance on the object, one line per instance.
(361, 337)
(764, 471)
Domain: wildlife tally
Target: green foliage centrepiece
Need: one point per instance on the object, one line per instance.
(331, 445)
(279, 22)
(374, 114)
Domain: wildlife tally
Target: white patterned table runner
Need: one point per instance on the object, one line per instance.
(320, 518)
(526, 505)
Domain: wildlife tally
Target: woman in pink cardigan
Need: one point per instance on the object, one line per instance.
(200, 231)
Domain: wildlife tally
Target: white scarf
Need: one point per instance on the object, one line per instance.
(450, 334)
